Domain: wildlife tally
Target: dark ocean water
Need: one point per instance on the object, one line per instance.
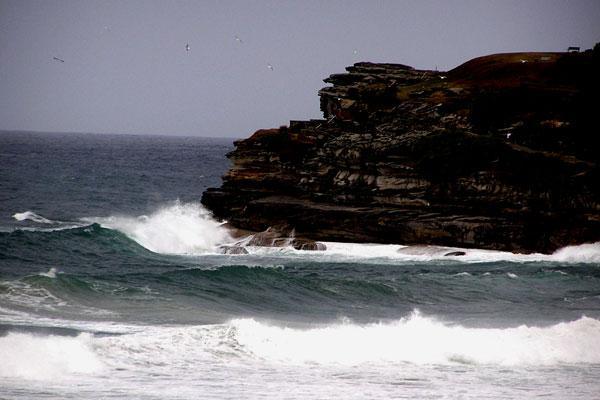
(111, 286)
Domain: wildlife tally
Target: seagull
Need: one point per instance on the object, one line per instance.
(355, 52)
(237, 39)
(270, 67)
(508, 135)
(58, 59)
(187, 47)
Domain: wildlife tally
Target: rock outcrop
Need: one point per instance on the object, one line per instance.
(501, 153)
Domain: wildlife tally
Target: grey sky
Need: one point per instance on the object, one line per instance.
(127, 70)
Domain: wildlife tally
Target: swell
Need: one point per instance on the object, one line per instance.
(306, 291)
(69, 246)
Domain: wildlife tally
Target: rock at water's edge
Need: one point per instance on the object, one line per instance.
(500, 153)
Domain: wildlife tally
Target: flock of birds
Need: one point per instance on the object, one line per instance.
(188, 49)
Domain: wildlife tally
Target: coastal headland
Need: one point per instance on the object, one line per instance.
(499, 153)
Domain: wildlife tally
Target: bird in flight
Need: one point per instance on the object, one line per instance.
(237, 39)
(58, 59)
(187, 47)
(270, 67)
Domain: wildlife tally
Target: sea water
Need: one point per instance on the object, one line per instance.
(111, 286)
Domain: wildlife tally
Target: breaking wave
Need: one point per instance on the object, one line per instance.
(36, 357)
(180, 228)
(188, 228)
(424, 340)
(416, 339)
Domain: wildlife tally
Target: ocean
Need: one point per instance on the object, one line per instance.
(112, 286)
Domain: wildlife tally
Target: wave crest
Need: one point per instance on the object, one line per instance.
(180, 228)
(51, 357)
(422, 340)
(31, 216)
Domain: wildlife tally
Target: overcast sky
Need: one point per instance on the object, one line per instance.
(126, 68)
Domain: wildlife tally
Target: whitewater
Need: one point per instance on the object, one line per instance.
(113, 285)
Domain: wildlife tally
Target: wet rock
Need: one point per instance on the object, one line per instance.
(308, 245)
(455, 254)
(232, 250)
(271, 237)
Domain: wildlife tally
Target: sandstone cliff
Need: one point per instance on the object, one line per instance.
(501, 152)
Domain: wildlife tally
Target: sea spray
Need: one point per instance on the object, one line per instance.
(178, 228)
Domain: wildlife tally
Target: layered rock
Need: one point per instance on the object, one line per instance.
(500, 153)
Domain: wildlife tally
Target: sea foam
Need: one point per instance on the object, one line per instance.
(584, 253)
(50, 357)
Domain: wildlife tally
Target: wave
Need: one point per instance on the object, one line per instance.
(416, 339)
(36, 357)
(179, 228)
(31, 216)
(424, 340)
(189, 229)
(51, 273)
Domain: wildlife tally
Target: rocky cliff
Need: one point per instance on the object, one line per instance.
(501, 153)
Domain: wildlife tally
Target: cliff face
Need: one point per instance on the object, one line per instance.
(500, 153)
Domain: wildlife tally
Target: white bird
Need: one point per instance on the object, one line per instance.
(237, 39)
(187, 47)
(355, 52)
(270, 67)
(508, 135)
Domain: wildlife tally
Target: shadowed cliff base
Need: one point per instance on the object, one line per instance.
(499, 153)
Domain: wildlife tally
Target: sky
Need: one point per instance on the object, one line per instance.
(126, 68)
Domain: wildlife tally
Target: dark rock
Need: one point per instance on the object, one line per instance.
(497, 153)
(455, 254)
(308, 245)
(271, 237)
(232, 250)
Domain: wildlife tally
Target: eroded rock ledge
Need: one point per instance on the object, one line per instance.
(501, 153)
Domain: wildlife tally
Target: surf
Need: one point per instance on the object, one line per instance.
(416, 339)
(178, 228)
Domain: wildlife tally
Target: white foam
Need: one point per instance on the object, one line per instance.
(179, 228)
(31, 216)
(51, 273)
(23, 294)
(51, 357)
(585, 253)
(423, 340)
(464, 273)
(416, 339)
